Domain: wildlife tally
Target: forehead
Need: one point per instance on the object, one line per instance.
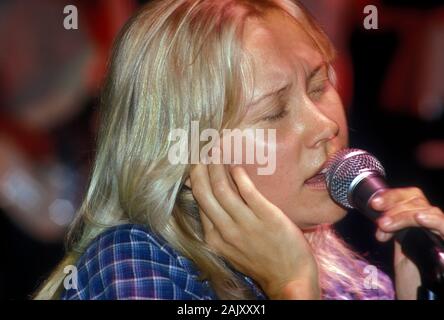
(279, 47)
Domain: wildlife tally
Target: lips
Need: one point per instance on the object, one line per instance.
(321, 171)
(316, 178)
(317, 181)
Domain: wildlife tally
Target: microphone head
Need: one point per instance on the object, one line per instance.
(345, 169)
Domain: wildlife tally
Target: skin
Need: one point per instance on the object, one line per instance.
(313, 128)
(258, 222)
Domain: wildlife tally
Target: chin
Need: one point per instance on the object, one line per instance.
(337, 213)
(329, 213)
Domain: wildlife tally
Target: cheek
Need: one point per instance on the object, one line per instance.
(284, 183)
(285, 186)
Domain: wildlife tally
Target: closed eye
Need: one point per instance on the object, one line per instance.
(281, 114)
(317, 92)
(318, 81)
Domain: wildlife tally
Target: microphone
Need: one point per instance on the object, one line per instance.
(353, 177)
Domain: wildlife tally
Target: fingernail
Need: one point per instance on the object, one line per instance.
(421, 216)
(379, 234)
(377, 201)
(386, 221)
(383, 236)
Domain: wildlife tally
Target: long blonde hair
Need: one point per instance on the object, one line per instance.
(176, 61)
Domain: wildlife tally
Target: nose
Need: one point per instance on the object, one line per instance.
(321, 129)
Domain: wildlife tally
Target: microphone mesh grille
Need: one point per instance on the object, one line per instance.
(343, 167)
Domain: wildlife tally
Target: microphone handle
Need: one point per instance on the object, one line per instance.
(424, 248)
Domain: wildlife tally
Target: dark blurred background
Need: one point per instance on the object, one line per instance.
(391, 80)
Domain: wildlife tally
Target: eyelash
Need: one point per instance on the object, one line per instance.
(281, 114)
(319, 90)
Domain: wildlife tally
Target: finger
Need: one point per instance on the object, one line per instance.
(211, 236)
(207, 225)
(434, 220)
(201, 189)
(393, 223)
(387, 199)
(383, 236)
(255, 200)
(409, 206)
(214, 240)
(230, 201)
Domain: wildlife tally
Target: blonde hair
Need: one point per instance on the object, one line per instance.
(174, 62)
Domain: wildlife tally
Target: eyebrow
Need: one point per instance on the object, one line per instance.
(315, 71)
(287, 86)
(273, 93)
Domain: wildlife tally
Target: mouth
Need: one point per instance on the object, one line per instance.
(317, 181)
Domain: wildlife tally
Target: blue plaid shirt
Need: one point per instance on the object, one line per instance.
(130, 262)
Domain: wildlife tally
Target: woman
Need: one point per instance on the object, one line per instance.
(150, 229)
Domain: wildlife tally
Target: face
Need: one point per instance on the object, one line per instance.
(293, 95)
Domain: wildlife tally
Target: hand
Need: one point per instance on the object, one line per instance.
(402, 208)
(255, 236)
